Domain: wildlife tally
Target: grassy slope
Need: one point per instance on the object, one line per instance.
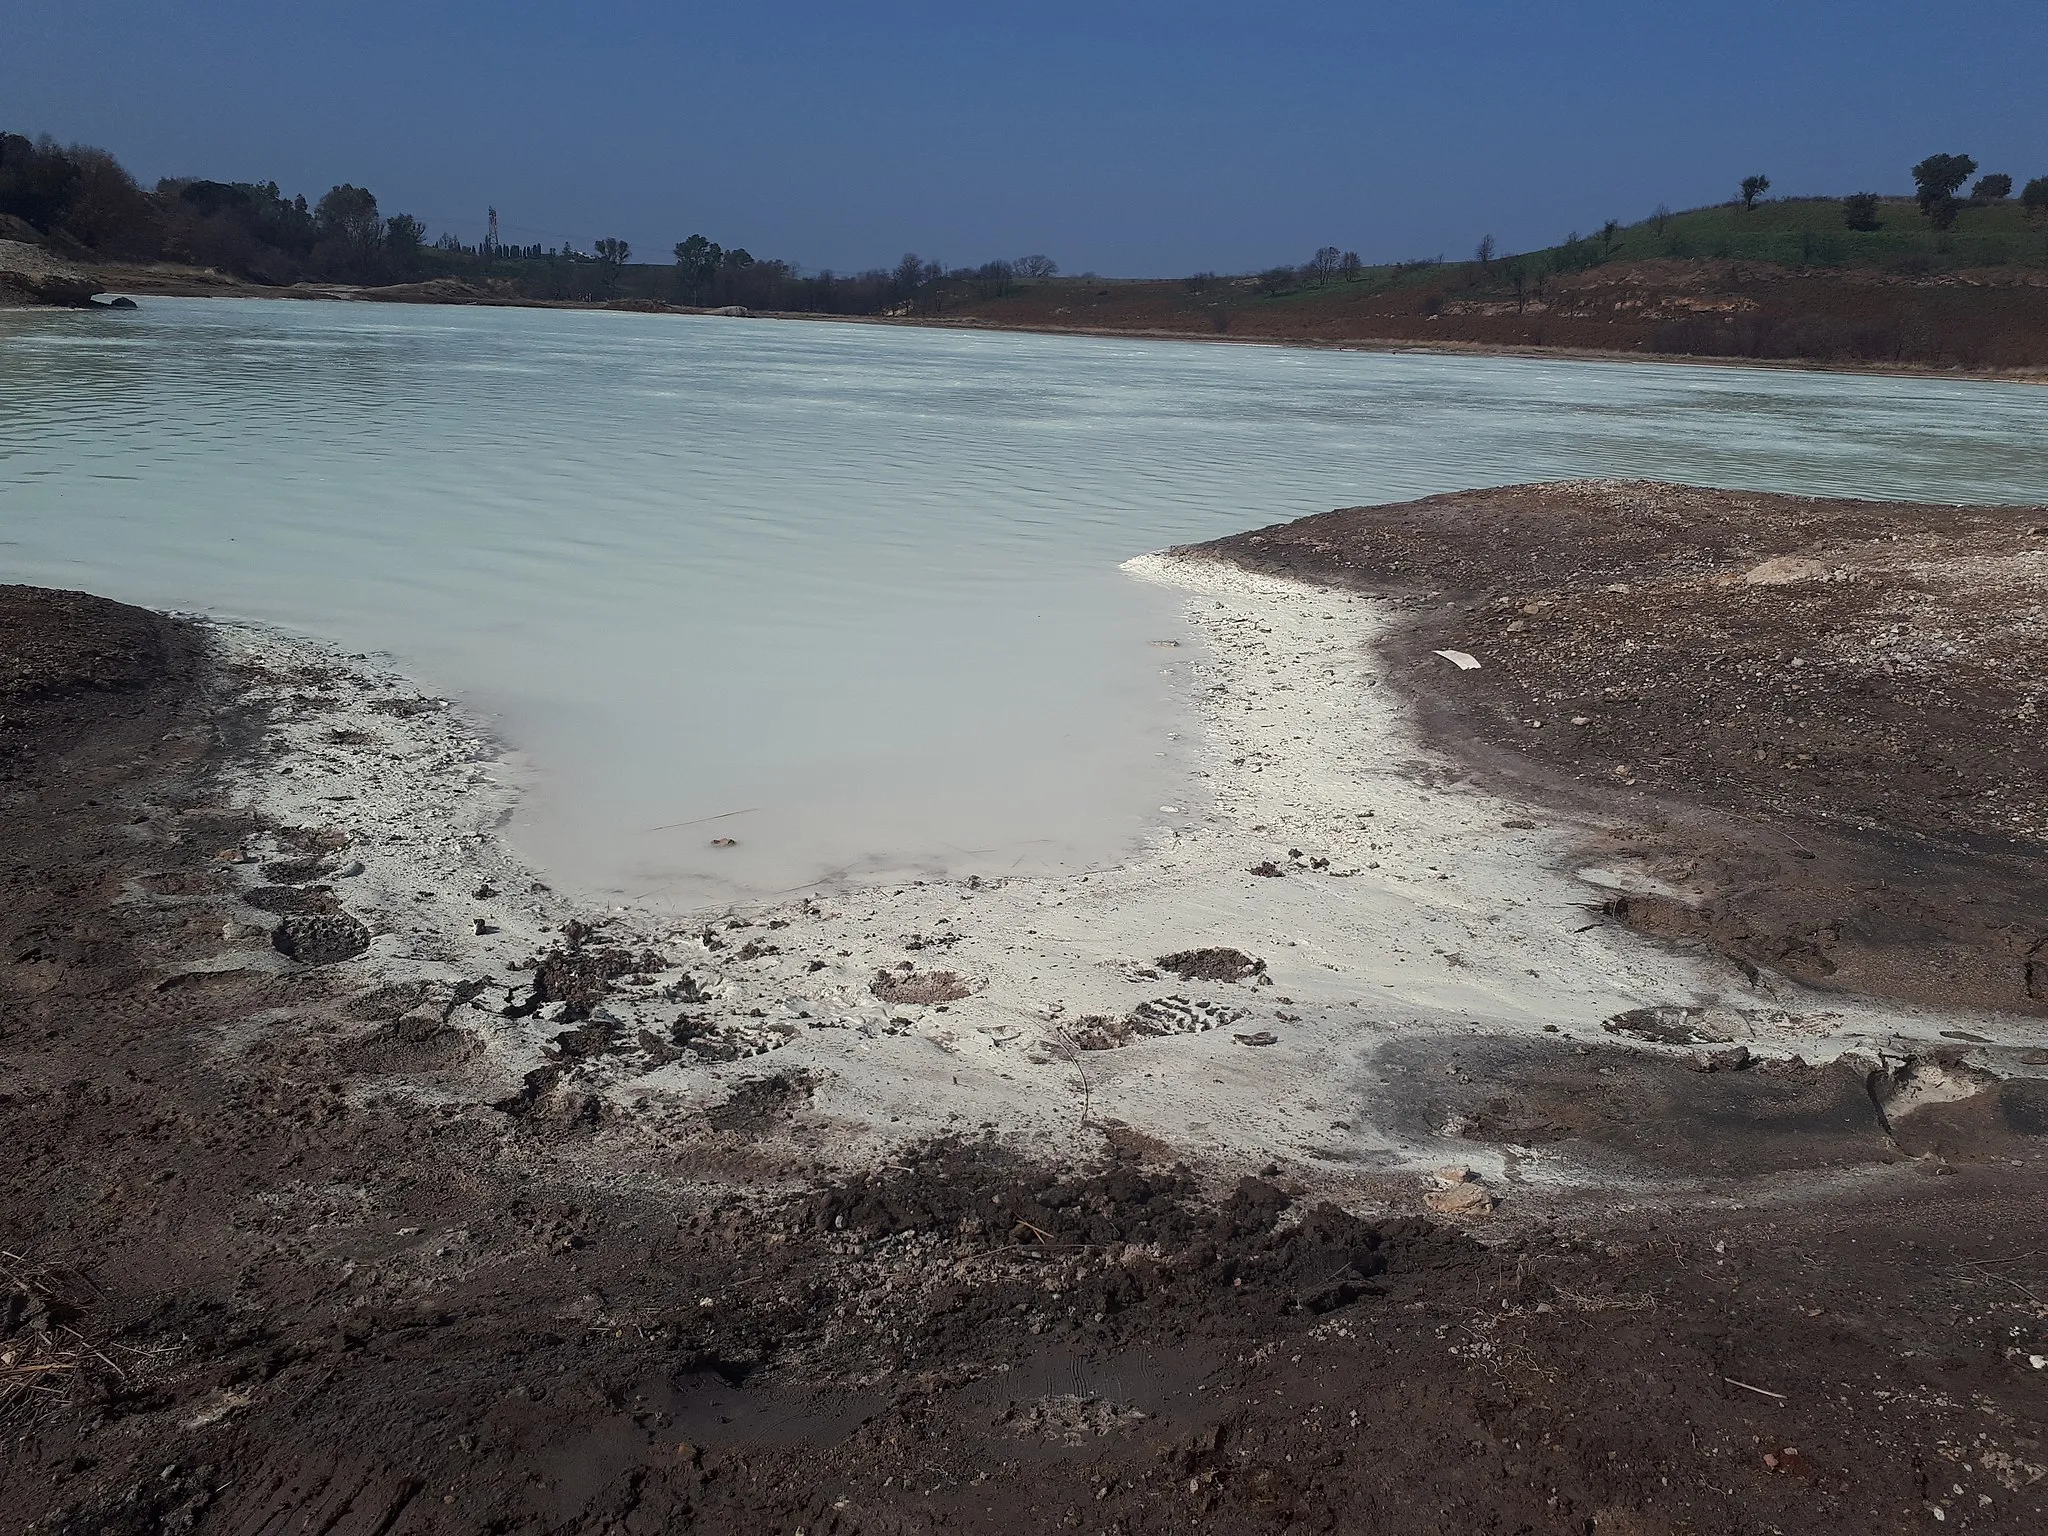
(1811, 232)
(1786, 280)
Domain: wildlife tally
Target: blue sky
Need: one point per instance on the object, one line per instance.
(1130, 139)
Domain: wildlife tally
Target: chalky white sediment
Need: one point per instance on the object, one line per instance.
(1412, 908)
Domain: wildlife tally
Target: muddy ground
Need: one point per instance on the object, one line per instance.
(255, 1280)
(1819, 722)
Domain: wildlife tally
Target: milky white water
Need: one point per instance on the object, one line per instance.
(856, 584)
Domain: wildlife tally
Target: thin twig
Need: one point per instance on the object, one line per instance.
(721, 816)
(91, 1348)
(1080, 1071)
(1759, 1391)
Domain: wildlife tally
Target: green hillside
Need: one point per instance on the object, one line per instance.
(1814, 232)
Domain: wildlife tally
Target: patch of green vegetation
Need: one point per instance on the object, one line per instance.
(1936, 232)
(1816, 232)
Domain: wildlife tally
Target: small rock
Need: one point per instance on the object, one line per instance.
(1784, 571)
(1461, 1193)
(1727, 1058)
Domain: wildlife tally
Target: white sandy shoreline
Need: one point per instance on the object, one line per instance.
(1420, 905)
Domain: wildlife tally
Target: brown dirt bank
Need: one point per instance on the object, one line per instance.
(1993, 320)
(270, 1262)
(1820, 719)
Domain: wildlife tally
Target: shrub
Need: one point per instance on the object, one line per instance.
(1860, 211)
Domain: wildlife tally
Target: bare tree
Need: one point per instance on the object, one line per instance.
(612, 255)
(1037, 266)
(1485, 251)
(1349, 265)
(349, 223)
(1518, 274)
(1324, 262)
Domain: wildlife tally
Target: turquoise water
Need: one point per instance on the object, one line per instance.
(856, 582)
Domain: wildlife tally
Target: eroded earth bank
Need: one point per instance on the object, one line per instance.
(1630, 1122)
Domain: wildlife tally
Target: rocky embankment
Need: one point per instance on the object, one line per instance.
(30, 275)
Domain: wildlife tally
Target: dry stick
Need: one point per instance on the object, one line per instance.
(1759, 1391)
(2008, 1279)
(1036, 1248)
(94, 1349)
(721, 816)
(1074, 1061)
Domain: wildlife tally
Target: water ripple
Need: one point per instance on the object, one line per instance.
(863, 576)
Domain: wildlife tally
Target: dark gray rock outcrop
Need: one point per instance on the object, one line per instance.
(31, 275)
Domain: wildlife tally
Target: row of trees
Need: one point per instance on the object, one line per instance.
(82, 202)
(706, 273)
(1938, 178)
(1937, 181)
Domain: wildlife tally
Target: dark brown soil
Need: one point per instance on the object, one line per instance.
(1992, 319)
(1839, 753)
(271, 1262)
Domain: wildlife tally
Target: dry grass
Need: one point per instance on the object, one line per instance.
(44, 1361)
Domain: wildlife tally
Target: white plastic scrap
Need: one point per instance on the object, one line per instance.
(1460, 660)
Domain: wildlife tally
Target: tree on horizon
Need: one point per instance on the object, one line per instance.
(352, 230)
(1937, 179)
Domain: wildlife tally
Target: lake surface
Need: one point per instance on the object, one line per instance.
(856, 584)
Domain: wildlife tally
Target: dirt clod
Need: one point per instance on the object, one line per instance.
(1211, 964)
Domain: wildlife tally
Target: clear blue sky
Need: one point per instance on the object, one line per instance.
(1130, 139)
